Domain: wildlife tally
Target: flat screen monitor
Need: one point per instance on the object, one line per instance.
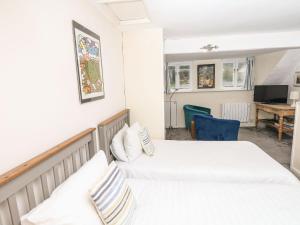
(271, 93)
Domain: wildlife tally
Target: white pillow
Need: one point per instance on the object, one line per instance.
(117, 145)
(132, 143)
(136, 127)
(70, 202)
(146, 142)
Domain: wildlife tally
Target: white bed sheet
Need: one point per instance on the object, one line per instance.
(182, 202)
(230, 161)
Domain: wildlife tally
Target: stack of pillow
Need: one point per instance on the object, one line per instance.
(130, 142)
(97, 194)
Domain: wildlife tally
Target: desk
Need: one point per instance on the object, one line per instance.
(280, 111)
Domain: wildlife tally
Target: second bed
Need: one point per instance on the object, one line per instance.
(207, 161)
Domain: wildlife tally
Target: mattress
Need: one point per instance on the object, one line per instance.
(180, 202)
(230, 161)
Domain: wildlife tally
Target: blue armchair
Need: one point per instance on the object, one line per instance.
(213, 129)
(191, 110)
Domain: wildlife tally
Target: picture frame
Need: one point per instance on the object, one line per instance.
(206, 75)
(88, 59)
(297, 79)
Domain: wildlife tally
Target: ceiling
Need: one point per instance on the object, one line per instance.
(192, 18)
(125, 13)
(132, 10)
(219, 55)
(189, 18)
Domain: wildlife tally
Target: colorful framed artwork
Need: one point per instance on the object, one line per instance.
(206, 76)
(89, 64)
(297, 79)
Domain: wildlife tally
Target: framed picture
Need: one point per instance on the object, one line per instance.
(89, 64)
(297, 79)
(206, 76)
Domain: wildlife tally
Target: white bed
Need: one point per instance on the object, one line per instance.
(178, 203)
(172, 202)
(208, 161)
(54, 188)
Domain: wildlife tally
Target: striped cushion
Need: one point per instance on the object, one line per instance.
(113, 198)
(146, 142)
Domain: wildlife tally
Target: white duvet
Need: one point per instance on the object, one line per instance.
(175, 202)
(230, 161)
(182, 203)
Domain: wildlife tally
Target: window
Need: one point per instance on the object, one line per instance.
(179, 76)
(234, 73)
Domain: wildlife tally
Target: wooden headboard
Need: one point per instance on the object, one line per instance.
(108, 128)
(29, 184)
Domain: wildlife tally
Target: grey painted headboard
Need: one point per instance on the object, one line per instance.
(26, 186)
(108, 128)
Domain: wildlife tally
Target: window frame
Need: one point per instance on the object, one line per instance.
(177, 66)
(235, 62)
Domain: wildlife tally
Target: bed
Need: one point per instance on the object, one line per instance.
(31, 187)
(206, 161)
(181, 202)
(31, 183)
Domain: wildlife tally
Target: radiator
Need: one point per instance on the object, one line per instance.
(236, 111)
(173, 114)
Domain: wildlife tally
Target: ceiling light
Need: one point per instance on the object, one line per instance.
(210, 47)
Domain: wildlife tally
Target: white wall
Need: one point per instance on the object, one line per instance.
(297, 69)
(236, 42)
(144, 78)
(295, 158)
(211, 98)
(39, 96)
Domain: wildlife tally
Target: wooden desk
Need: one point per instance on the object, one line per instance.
(280, 111)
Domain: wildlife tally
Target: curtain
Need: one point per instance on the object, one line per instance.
(249, 80)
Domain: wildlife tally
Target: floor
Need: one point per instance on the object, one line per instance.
(265, 138)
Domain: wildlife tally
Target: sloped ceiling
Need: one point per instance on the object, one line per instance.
(284, 71)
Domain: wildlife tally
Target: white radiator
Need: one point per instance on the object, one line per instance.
(173, 114)
(236, 111)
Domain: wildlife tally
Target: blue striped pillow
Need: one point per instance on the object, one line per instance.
(113, 198)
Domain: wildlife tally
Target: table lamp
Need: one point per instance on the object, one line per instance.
(294, 96)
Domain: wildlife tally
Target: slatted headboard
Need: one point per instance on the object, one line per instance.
(26, 186)
(108, 128)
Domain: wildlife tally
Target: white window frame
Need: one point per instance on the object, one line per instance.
(235, 63)
(177, 79)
